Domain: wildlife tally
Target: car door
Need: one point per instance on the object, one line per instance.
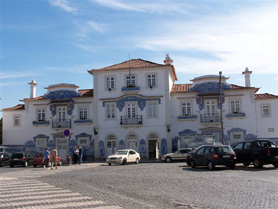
(239, 152)
(199, 157)
(247, 152)
(131, 156)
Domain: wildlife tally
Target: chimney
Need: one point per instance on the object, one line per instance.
(168, 60)
(33, 89)
(247, 74)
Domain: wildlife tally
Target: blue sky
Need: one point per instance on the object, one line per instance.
(57, 41)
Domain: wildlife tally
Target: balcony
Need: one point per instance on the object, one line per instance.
(131, 88)
(128, 121)
(210, 118)
(61, 124)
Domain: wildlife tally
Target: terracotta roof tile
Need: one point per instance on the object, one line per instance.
(133, 63)
(17, 107)
(180, 88)
(265, 96)
(236, 87)
(33, 99)
(86, 92)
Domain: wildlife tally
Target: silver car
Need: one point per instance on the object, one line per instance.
(180, 154)
(123, 156)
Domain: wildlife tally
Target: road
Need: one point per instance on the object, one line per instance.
(146, 185)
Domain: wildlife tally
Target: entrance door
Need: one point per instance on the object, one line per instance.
(111, 147)
(62, 145)
(132, 142)
(153, 149)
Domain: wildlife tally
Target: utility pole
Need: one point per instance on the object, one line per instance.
(221, 115)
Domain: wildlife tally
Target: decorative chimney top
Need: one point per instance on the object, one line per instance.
(168, 60)
(33, 88)
(247, 74)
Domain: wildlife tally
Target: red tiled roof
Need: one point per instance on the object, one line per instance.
(86, 92)
(33, 99)
(265, 96)
(17, 107)
(133, 63)
(180, 88)
(236, 87)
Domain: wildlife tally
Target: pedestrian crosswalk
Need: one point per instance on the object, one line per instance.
(28, 193)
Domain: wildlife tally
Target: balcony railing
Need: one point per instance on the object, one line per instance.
(61, 124)
(210, 118)
(136, 120)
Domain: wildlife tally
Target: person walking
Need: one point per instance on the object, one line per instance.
(54, 155)
(75, 155)
(46, 158)
(80, 154)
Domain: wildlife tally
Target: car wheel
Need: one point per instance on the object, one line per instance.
(35, 166)
(11, 166)
(192, 164)
(258, 163)
(124, 161)
(275, 165)
(25, 164)
(137, 161)
(168, 160)
(246, 164)
(210, 165)
(109, 163)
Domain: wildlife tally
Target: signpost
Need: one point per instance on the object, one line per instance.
(66, 133)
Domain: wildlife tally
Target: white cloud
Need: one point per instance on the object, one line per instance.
(63, 4)
(82, 69)
(84, 29)
(246, 38)
(17, 75)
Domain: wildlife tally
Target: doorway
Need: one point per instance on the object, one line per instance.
(153, 149)
(62, 147)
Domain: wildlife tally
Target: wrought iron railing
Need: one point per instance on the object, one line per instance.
(61, 124)
(210, 118)
(136, 120)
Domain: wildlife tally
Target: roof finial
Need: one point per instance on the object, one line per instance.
(168, 60)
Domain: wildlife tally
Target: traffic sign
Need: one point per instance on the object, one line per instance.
(66, 132)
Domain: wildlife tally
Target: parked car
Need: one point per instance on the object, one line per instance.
(189, 156)
(180, 154)
(5, 158)
(213, 155)
(258, 152)
(123, 156)
(21, 158)
(38, 159)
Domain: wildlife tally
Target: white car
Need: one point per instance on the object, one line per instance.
(180, 154)
(123, 156)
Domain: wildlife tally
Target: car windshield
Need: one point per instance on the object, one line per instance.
(18, 155)
(121, 153)
(225, 150)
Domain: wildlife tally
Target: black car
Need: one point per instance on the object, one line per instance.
(213, 155)
(21, 158)
(4, 158)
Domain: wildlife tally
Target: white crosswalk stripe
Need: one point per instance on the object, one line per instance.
(15, 193)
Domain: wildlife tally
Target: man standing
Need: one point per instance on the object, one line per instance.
(80, 154)
(54, 155)
(46, 158)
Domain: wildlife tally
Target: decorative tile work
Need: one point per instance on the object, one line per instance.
(61, 95)
(130, 88)
(83, 121)
(187, 132)
(101, 149)
(236, 130)
(175, 144)
(237, 115)
(41, 122)
(142, 148)
(69, 104)
(190, 117)
(209, 87)
(121, 144)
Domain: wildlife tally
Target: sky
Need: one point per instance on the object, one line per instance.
(58, 41)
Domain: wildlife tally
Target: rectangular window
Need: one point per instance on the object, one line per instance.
(83, 141)
(265, 110)
(151, 80)
(40, 144)
(83, 113)
(152, 109)
(131, 81)
(110, 111)
(186, 109)
(17, 120)
(235, 106)
(110, 83)
(41, 113)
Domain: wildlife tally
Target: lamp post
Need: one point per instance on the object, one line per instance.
(221, 115)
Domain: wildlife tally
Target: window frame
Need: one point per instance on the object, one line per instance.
(268, 110)
(128, 79)
(39, 113)
(17, 120)
(110, 110)
(154, 110)
(188, 104)
(83, 109)
(108, 82)
(151, 82)
(235, 108)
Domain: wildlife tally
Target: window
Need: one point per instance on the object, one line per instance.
(186, 109)
(236, 137)
(235, 106)
(83, 113)
(41, 113)
(238, 146)
(201, 151)
(110, 111)
(110, 82)
(265, 108)
(17, 120)
(83, 141)
(40, 144)
(151, 80)
(131, 81)
(152, 109)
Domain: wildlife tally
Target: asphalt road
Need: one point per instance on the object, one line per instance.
(158, 185)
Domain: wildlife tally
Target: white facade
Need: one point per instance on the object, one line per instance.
(135, 104)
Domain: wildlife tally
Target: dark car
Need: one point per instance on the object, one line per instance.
(213, 155)
(5, 158)
(21, 158)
